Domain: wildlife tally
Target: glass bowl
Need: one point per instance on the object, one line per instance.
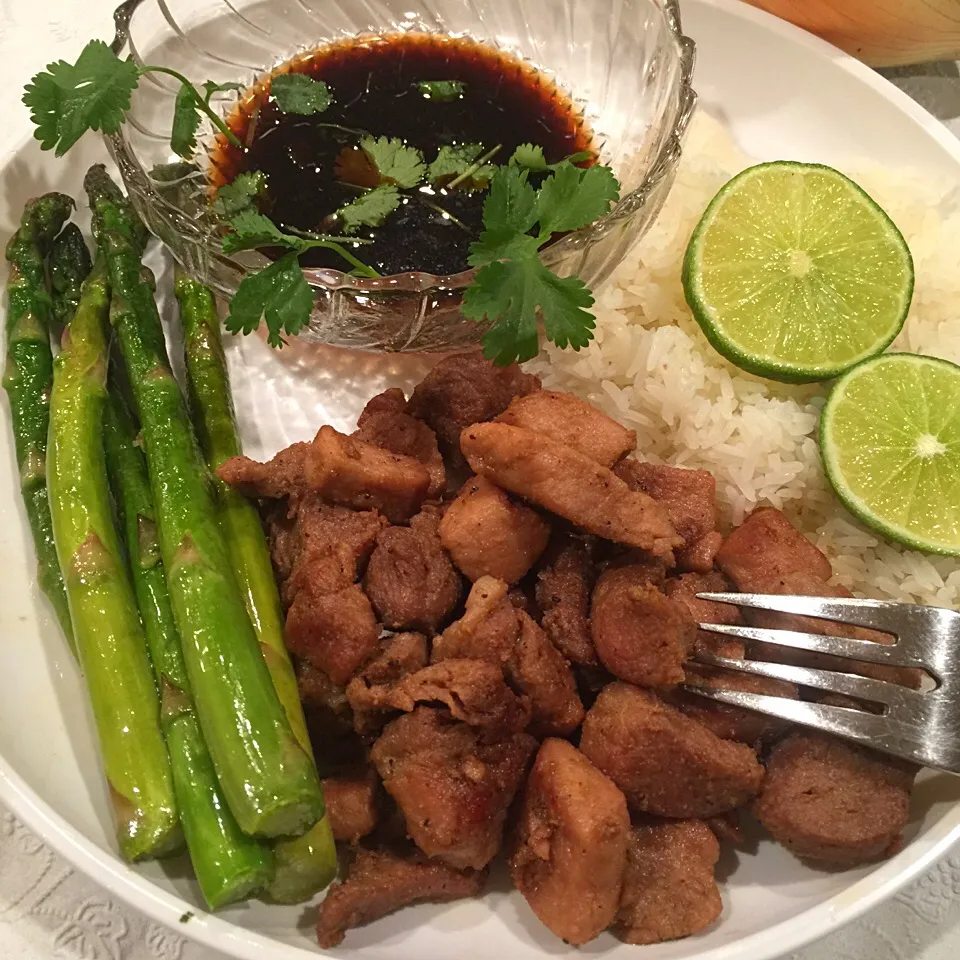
(625, 63)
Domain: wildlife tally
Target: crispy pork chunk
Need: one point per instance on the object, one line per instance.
(410, 580)
(463, 389)
(329, 720)
(569, 484)
(489, 535)
(640, 634)
(669, 889)
(379, 882)
(341, 469)
(474, 691)
(494, 630)
(573, 422)
(352, 803)
(834, 802)
(564, 585)
(666, 763)
(570, 845)
(452, 784)
(385, 423)
(690, 499)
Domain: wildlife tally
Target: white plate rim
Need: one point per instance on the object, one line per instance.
(839, 910)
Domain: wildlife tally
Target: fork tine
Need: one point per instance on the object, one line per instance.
(865, 650)
(865, 688)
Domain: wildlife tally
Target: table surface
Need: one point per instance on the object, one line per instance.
(49, 911)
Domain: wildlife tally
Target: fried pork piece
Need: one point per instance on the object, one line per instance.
(463, 389)
(341, 469)
(474, 691)
(410, 580)
(351, 799)
(494, 630)
(452, 784)
(834, 802)
(398, 655)
(573, 422)
(767, 554)
(568, 484)
(726, 827)
(489, 535)
(329, 719)
(690, 499)
(669, 890)
(666, 763)
(385, 423)
(570, 845)
(685, 589)
(379, 882)
(564, 585)
(640, 634)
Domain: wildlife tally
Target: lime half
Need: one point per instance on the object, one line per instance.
(890, 440)
(795, 274)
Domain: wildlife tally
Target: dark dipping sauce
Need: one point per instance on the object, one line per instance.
(373, 82)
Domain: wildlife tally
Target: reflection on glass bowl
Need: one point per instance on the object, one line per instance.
(625, 63)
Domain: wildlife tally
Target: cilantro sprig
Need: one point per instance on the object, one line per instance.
(68, 99)
(442, 90)
(512, 285)
(300, 94)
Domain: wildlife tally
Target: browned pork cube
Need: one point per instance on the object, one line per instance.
(489, 535)
(379, 882)
(282, 476)
(569, 484)
(669, 890)
(564, 585)
(385, 423)
(452, 784)
(351, 801)
(666, 763)
(463, 389)
(574, 422)
(640, 634)
(570, 846)
(834, 802)
(410, 580)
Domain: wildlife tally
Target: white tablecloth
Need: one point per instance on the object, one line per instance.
(49, 911)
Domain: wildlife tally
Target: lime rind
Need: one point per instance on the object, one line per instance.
(758, 245)
(908, 485)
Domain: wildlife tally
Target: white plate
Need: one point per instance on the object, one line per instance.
(782, 94)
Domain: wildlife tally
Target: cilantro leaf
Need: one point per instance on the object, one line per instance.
(252, 230)
(530, 157)
(572, 197)
(279, 294)
(298, 93)
(210, 87)
(240, 193)
(501, 243)
(452, 161)
(442, 90)
(67, 100)
(511, 202)
(186, 122)
(370, 209)
(395, 161)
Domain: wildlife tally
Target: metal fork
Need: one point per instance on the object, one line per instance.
(917, 725)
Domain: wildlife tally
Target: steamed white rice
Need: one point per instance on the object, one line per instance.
(651, 368)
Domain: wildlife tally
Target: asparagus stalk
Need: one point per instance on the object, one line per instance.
(109, 637)
(70, 265)
(229, 865)
(269, 781)
(27, 378)
(305, 864)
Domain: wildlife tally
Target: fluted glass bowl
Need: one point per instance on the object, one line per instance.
(625, 63)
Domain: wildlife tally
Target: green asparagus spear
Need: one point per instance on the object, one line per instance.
(305, 864)
(229, 865)
(70, 265)
(109, 637)
(27, 378)
(270, 783)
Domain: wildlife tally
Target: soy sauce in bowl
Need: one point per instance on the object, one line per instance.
(397, 86)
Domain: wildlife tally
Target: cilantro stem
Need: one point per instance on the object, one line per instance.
(309, 235)
(361, 268)
(474, 167)
(443, 213)
(199, 100)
